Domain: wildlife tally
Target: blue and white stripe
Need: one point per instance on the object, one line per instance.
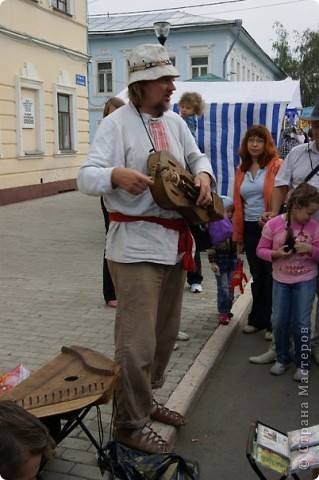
(223, 125)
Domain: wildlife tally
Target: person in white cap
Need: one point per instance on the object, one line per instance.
(147, 247)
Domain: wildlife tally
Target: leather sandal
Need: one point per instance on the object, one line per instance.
(144, 439)
(165, 415)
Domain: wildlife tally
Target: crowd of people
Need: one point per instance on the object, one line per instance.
(150, 249)
(149, 252)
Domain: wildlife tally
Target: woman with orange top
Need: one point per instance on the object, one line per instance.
(254, 182)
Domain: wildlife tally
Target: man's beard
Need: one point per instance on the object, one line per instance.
(160, 108)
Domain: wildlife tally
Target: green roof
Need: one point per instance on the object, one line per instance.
(209, 77)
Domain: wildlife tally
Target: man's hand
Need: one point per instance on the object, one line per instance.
(131, 180)
(277, 199)
(265, 217)
(203, 182)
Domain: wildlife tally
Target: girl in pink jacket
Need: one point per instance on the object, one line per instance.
(291, 243)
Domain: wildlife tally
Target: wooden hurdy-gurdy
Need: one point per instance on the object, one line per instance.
(174, 189)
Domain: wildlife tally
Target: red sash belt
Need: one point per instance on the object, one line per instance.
(185, 240)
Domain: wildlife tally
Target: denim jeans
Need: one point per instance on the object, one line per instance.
(225, 297)
(292, 307)
(315, 333)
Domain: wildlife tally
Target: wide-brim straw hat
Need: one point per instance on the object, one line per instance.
(314, 117)
(150, 62)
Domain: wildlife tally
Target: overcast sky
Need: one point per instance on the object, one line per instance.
(258, 15)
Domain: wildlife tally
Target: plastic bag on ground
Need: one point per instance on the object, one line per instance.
(10, 379)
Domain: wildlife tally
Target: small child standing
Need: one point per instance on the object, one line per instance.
(191, 105)
(223, 258)
(291, 242)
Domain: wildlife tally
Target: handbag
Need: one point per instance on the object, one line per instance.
(220, 231)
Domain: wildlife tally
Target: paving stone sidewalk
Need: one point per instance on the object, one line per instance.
(51, 295)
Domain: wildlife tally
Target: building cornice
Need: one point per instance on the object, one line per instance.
(24, 37)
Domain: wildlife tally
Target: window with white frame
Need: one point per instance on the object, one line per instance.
(243, 68)
(198, 60)
(199, 66)
(65, 120)
(243, 75)
(231, 75)
(104, 78)
(238, 71)
(30, 117)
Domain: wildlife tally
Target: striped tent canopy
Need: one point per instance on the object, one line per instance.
(231, 108)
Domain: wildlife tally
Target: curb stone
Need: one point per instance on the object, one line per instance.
(188, 391)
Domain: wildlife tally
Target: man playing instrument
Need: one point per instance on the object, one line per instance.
(149, 249)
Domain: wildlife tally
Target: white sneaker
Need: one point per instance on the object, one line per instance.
(300, 374)
(268, 335)
(279, 368)
(250, 329)
(196, 288)
(176, 347)
(182, 336)
(267, 357)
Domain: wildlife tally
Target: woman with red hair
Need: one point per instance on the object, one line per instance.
(254, 182)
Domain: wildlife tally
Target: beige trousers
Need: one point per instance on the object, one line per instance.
(146, 326)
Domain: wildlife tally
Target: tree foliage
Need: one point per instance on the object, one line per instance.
(300, 62)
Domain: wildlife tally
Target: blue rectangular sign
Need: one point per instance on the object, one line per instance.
(80, 80)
